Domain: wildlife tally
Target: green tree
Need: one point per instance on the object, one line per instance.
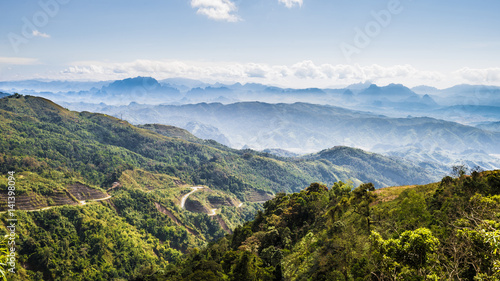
(412, 254)
(361, 198)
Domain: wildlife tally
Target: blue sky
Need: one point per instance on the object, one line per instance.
(296, 43)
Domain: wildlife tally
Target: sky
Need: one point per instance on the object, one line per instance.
(291, 43)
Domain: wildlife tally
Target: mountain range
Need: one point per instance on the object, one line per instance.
(393, 99)
(394, 120)
(305, 128)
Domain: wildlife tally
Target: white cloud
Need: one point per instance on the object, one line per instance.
(37, 33)
(223, 10)
(291, 3)
(306, 69)
(482, 76)
(301, 74)
(18, 61)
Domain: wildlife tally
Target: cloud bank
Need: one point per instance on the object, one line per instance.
(301, 74)
(480, 76)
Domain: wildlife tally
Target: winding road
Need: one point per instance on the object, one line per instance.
(83, 202)
(185, 197)
(194, 189)
(213, 212)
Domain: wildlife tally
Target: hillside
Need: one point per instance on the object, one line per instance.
(361, 162)
(441, 231)
(107, 187)
(491, 126)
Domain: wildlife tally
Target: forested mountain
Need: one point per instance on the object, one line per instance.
(106, 195)
(441, 231)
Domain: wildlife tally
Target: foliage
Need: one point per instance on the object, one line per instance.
(448, 230)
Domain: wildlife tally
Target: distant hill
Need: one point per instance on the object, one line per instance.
(50, 86)
(358, 160)
(491, 126)
(302, 127)
(393, 100)
(396, 92)
(2, 95)
(464, 95)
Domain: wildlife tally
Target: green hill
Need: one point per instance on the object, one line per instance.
(382, 170)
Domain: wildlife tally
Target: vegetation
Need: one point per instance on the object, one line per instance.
(446, 230)
(442, 231)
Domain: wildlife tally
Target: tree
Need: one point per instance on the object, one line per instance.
(362, 197)
(410, 255)
(459, 170)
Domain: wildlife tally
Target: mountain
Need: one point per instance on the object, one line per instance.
(148, 150)
(393, 92)
(138, 89)
(358, 160)
(425, 90)
(463, 95)
(2, 95)
(491, 126)
(393, 100)
(340, 233)
(468, 113)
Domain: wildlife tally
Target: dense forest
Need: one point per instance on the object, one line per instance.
(441, 231)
